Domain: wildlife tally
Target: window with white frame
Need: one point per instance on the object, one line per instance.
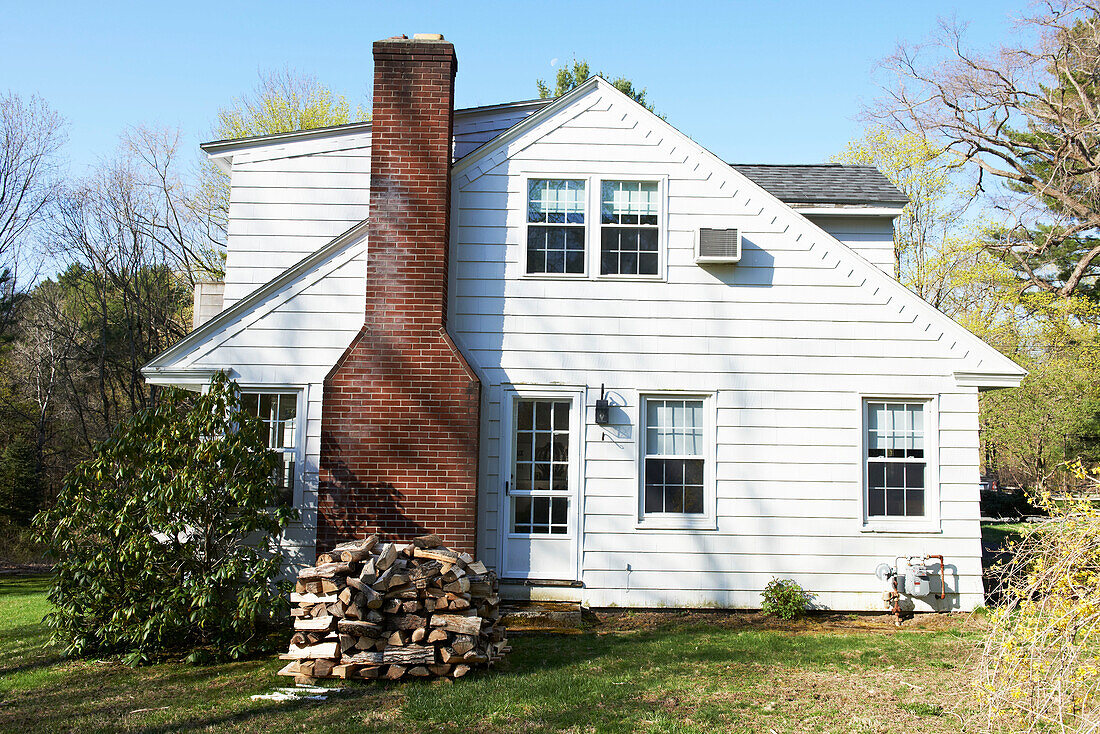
(540, 497)
(896, 459)
(674, 456)
(629, 211)
(555, 226)
(278, 412)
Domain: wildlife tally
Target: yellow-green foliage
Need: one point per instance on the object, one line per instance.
(1040, 663)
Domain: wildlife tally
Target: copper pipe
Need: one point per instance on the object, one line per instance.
(943, 577)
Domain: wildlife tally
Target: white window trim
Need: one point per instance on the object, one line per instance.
(662, 226)
(586, 275)
(299, 392)
(930, 523)
(680, 521)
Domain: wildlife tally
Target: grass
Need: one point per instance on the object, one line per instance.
(1000, 533)
(678, 672)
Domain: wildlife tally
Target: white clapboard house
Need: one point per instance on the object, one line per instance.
(431, 308)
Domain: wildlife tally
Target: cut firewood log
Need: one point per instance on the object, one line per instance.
(370, 672)
(460, 670)
(325, 558)
(477, 568)
(315, 624)
(438, 635)
(290, 668)
(383, 581)
(398, 638)
(436, 554)
(418, 635)
(353, 627)
(428, 541)
(440, 670)
(448, 655)
(346, 595)
(305, 639)
(461, 586)
(369, 574)
(455, 623)
(480, 589)
(386, 557)
(348, 642)
(391, 606)
(329, 586)
(320, 650)
(346, 670)
(410, 655)
(395, 671)
(410, 622)
(324, 571)
(312, 599)
(364, 658)
(323, 668)
(463, 644)
(419, 671)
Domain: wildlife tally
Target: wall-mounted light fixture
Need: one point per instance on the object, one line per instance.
(603, 409)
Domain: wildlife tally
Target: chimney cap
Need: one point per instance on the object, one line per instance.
(428, 37)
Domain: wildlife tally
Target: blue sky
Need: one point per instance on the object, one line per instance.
(753, 81)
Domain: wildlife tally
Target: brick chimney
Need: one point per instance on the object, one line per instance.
(399, 433)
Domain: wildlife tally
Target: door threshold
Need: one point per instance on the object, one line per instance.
(566, 583)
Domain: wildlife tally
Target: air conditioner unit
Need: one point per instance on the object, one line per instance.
(717, 246)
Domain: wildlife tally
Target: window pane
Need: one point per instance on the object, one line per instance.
(914, 476)
(876, 475)
(521, 514)
(555, 199)
(895, 475)
(250, 403)
(914, 502)
(876, 502)
(623, 202)
(674, 499)
(693, 500)
(895, 501)
(654, 498)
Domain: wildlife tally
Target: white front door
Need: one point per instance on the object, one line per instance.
(542, 476)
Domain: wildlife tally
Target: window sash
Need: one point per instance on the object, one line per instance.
(674, 448)
(629, 219)
(278, 411)
(896, 460)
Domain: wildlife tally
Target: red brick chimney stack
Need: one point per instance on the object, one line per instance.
(399, 436)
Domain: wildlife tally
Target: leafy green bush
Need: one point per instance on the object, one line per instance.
(785, 599)
(166, 540)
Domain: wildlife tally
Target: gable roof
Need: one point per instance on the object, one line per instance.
(161, 364)
(996, 370)
(824, 183)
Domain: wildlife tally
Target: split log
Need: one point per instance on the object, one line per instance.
(324, 571)
(315, 624)
(419, 671)
(353, 627)
(477, 568)
(386, 558)
(364, 658)
(463, 644)
(410, 655)
(436, 554)
(395, 671)
(455, 623)
(428, 541)
(370, 672)
(320, 650)
(460, 670)
(312, 599)
(323, 668)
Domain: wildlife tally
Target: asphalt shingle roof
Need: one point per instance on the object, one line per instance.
(824, 183)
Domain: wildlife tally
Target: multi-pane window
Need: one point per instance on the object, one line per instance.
(628, 228)
(279, 414)
(674, 456)
(540, 500)
(896, 459)
(555, 226)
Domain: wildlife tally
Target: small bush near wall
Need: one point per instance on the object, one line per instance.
(785, 599)
(165, 541)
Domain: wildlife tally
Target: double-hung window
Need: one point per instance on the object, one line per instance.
(674, 463)
(555, 226)
(896, 459)
(629, 211)
(279, 414)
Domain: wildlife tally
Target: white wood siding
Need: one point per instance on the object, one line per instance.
(871, 237)
(290, 340)
(788, 340)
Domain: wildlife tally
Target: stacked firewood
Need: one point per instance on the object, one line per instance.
(382, 610)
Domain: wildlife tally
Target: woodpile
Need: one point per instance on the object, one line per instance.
(382, 610)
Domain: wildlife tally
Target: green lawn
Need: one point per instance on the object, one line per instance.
(689, 672)
(999, 533)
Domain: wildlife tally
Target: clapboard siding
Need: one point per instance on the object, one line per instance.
(871, 237)
(787, 341)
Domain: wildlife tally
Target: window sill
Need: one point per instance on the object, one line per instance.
(556, 276)
(925, 527)
(676, 523)
(649, 278)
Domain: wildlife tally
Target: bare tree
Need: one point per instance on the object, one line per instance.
(1026, 115)
(31, 136)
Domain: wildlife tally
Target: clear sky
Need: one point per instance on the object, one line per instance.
(760, 81)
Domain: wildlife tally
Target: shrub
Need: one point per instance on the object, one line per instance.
(166, 539)
(1039, 667)
(785, 599)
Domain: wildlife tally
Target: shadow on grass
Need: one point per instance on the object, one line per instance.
(549, 682)
(24, 585)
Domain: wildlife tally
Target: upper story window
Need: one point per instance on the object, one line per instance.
(629, 211)
(896, 459)
(279, 414)
(555, 226)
